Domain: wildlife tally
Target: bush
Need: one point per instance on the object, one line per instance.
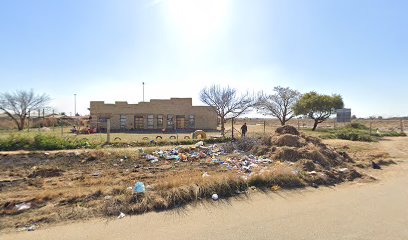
(356, 125)
(41, 142)
(391, 134)
(15, 142)
(353, 135)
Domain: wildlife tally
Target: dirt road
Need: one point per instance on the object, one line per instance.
(356, 210)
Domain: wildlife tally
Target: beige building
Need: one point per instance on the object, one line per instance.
(169, 114)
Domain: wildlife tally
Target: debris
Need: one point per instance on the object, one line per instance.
(343, 170)
(139, 187)
(275, 188)
(199, 144)
(46, 173)
(108, 197)
(214, 197)
(31, 228)
(200, 133)
(22, 206)
(205, 175)
(375, 165)
(121, 215)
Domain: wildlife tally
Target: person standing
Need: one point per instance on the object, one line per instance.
(244, 130)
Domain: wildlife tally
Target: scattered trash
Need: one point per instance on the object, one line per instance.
(206, 174)
(22, 206)
(199, 144)
(344, 170)
(275, 188)
(121, 215)
(108, 197)
(214, 197)
(375, 165)
(139, 187)
(31, 228)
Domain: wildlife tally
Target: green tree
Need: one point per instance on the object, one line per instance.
(318, 107)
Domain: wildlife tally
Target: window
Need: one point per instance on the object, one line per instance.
(191, 121)
(150, 121)
(122, 121)
(159, 121)
(139, 122)
(103, 120)
(170, 121)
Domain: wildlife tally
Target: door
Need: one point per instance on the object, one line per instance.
(139, 122)
(180, 122)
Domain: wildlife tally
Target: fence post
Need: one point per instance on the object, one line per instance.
(28, 120)
(264, 126)
(371, 124)
(402, 125)
(232, 129)
(53, 121)
(108, 130)
(62, 129)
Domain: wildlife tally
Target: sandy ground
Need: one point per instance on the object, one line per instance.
(355, 210)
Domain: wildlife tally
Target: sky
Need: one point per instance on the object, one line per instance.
(103, 50)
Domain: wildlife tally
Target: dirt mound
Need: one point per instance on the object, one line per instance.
(46, 173)
(294, 147)
(287, 129)
(289, 140)
(287, 154)
(307, 165)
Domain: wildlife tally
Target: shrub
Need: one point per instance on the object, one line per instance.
(41, 142)
(15, 142)
(354, 135)
(356, 125)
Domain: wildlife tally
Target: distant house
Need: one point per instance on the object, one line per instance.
(169, 114)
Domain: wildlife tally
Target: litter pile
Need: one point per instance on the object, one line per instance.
(212, 154)
(307, 156)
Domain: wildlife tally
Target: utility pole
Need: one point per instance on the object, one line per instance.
(75, 104)
(143, 91)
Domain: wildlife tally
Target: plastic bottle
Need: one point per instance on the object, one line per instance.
(139, 187)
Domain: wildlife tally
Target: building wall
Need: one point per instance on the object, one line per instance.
(205, 117)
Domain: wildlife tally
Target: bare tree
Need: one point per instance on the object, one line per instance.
(226, 102)
(18, 104)
(279, 104)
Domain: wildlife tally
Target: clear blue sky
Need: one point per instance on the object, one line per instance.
(104, 50)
